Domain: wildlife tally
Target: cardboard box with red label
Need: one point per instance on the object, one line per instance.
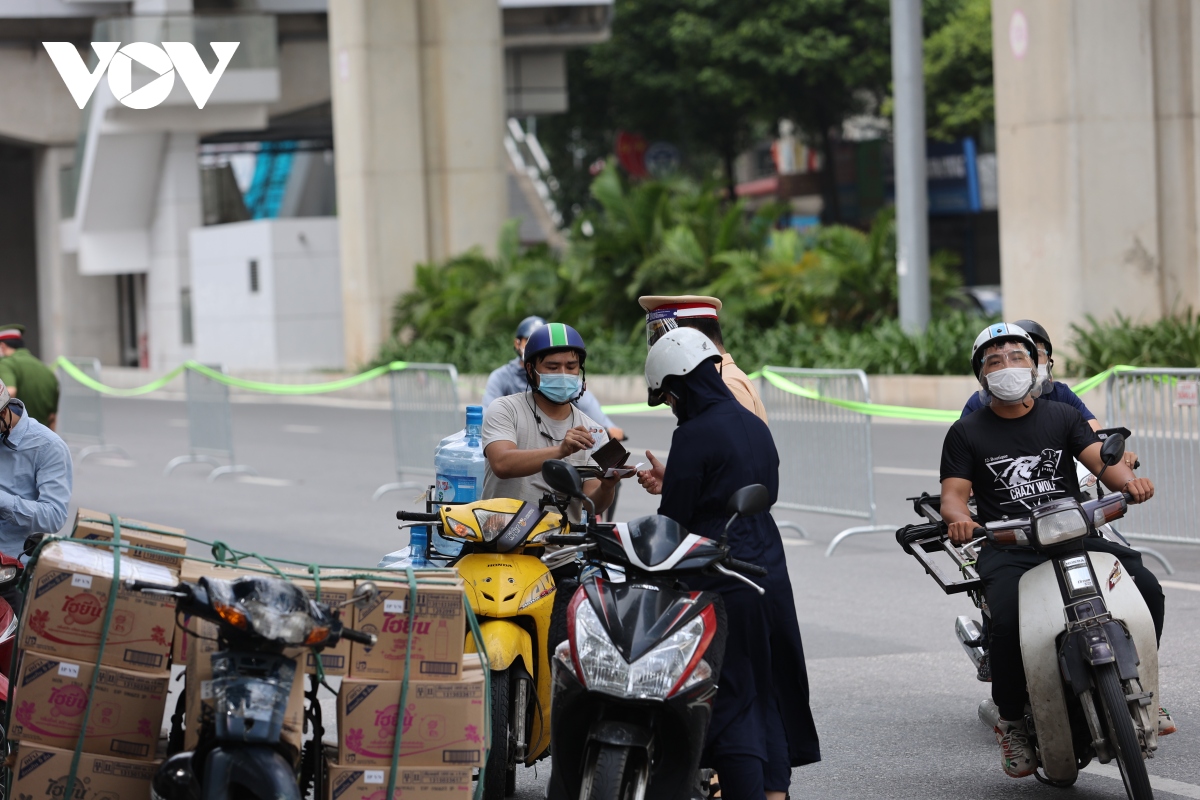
(50, 698)
(437, 639)
(162, 545)
(65, 608)
(443, 722)
(40, 773)
(412, 783)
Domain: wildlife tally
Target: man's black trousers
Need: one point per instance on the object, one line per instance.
(1001, 571)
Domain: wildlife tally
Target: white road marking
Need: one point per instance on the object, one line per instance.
(115, 462)
(791, 542)
(1187, 587)
(1166, 785)
(301, 429)
(258, 480)
(920, 473)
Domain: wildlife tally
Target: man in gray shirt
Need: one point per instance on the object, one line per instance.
(510, 379)
(522, 431)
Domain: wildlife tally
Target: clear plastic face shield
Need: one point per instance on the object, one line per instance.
(659, 323)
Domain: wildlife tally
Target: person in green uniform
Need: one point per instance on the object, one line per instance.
(27, 377)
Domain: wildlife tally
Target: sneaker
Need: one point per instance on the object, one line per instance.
(984, 673)
(1016, 751)
(1166, 725)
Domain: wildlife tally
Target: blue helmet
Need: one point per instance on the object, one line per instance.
(551, 338)
(528, 326)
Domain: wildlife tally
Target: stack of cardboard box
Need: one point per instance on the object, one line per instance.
(62, 625)
(442, 721)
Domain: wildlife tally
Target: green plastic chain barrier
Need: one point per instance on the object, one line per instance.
(776, 380)
(240, 383)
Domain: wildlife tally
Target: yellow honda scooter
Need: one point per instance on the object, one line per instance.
(512, 593)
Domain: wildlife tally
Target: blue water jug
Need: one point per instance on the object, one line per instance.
(459, 465)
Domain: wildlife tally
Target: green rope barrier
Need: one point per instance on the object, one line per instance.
(777, 380)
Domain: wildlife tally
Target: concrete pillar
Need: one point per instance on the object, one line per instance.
(177, 210)
(418, 122)
(376, 77)
(462, 68)
(1176, 32)
(78, 314)
(1096, 146)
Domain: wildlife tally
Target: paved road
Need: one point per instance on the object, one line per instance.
(893, 694)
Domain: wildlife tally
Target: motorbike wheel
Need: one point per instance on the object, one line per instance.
(615, 775)
(1120, 730)
(496, 782)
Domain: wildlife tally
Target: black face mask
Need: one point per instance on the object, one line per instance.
(680, 407)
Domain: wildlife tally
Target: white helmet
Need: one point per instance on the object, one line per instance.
(4, 396)
(678, 352)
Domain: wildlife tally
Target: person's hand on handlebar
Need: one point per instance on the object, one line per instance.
(963, 532)
(1141, 489)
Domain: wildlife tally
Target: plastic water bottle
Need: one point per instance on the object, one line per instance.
(459, 465)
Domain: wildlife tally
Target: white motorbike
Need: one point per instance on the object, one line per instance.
(1087, 638)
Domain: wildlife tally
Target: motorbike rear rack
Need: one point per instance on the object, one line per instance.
(925, 540)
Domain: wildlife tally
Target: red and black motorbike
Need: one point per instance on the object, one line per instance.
(635, 681)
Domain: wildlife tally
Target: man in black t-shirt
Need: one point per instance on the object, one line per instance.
(1016, 454)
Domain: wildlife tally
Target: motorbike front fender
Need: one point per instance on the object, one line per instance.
(1042, 621)
(258, 770)
(505, 642)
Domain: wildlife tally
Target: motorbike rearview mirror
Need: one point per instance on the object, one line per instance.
(749, 500)
(364, 593)
(1113, 449)
(562, 477)
(1110, 453)
(745, 502)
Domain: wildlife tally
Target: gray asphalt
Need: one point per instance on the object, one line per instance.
(893, 695)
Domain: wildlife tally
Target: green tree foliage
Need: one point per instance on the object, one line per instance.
(790, 298)
(959, 89)
(1173, 341)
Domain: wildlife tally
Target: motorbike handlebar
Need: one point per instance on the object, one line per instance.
(746, 568)
(352, 635)
(419, 516)
(180, 590)
(566, 538)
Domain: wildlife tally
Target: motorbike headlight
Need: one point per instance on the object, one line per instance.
(650, 677)
(289, 627)
(604, 668)
(656, 673)
(1060, 526)
(7, 575)
(492, 523)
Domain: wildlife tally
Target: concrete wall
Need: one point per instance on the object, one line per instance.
(78, 314)
(1096, 130)
(35, 105)
(292, 318)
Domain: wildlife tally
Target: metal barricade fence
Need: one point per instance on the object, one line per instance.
(825, 464)
(81, 410)
(425, 410)
(1160, 409)
(210, 426)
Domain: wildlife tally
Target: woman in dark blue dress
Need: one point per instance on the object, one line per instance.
(762, 725)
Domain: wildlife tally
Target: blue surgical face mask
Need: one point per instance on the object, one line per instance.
(559, 387)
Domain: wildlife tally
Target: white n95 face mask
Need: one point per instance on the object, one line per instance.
(1010, 384)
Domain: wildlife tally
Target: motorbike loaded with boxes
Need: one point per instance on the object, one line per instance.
(110, 610)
